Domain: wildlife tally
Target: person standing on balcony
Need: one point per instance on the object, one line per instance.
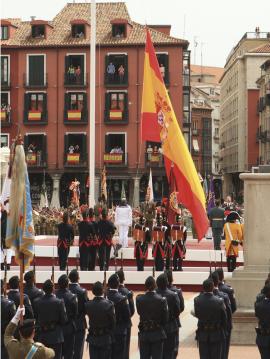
(78, 74)
(71, 73)
(111, 71)
(162, 70)
(121, 73)
(149, 152)
(123, 219)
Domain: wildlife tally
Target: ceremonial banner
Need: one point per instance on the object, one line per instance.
(104, 183)
(211, 196)
(150, 192)
(73, 158)
(159, 124)
(20, 229)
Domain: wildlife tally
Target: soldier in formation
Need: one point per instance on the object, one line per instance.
(140, 244)
(65, 240)
(179, 237)
(106, 231)
(158, 239)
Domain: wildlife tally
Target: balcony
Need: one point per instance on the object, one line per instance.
(115, 159)
(75, 117)
(35, 117)
(75, 81)
(35, 81)
(5, 118)
(76, 160)
(154, 160)
(36, 159)
(115, 117)
(114, 80)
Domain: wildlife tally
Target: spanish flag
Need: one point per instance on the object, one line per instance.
(159, 124)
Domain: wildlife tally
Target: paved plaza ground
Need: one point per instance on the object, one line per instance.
(188, 346)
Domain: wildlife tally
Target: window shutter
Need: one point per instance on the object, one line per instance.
(107, 106)
(44, 114)
(66, 143)
(26, 106)
(84, 149)
(107, 149)
(25, 143)
(107, 60)
(126, 106)
(85, 110)
(66, 106)
(126, 68)
(44, 149)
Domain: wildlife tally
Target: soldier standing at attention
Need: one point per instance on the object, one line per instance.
(179, 237)
(106, 231)
(8, 310)
(122, 315)
(212, 322)
(71, 304)
(80, 322)
(51, 317)
(14, 295)
(101, 314)
(123, 219)
(262, 312)
(216, 216)
(140, 245)
(25, 348)
(93, 245)
(84, 240)
(153, 312)
(65, 240)
(129, 294)
(225, 288)
(158, 237)
(30, 289)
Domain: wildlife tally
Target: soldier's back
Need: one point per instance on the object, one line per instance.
(82, 297)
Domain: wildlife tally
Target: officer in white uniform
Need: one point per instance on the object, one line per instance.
(123, 219)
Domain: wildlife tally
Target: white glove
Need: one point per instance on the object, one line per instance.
(20, 312)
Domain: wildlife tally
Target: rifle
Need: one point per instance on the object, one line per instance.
(67, 270)
(34, 265)
(5, 275)
(105, 273)
(221, 260)
(115, 264)
(52, 276)
(122, 259)
(154, 271)
(77, 263)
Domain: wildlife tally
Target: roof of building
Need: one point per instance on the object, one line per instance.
(60, 33)
(262, 49)
(215, 72)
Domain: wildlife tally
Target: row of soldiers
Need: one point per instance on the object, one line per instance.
(60, 318)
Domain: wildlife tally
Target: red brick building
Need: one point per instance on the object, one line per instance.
(45, 91)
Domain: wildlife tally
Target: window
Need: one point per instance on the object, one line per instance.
(35, 146)
(116, 107)
(4, 140)
(78, 31)
(186, 117)
(186, 101)
(115, 149)
(38, 31)
(116, 70)
(36, 73)
(5, 109)
(216, 132)
(4, 32)
(74, 67)
(4, 70)
(119, 30)
(35, 108)
(154, 154)
(75, 107)
(75, 150)
(163, 61)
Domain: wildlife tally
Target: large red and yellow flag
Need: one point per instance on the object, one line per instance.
(159, 124)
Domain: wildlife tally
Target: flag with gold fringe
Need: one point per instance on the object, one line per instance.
(20, 228)
(159, 124)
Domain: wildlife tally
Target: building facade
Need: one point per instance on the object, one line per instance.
(239, 149)
(45, 93)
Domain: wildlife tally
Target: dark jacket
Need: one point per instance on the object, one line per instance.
(153, 312)
(225, 288)
(122, 312)
(129, 294)
(86, 233)
(227, 303)
(212, 319)
(101, 321)
(216, 217)
(80, 321)
(71, 304)
(105, 229)
(181, 299)
(14, 295)
(65, 233)
(8, 310)
(262, 312)
(174, 309)
(51, 316)
(33, 292)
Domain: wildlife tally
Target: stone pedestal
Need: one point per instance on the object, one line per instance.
(55, 195)
(247, 281)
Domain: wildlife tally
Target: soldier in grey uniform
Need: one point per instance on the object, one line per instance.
(216, 217)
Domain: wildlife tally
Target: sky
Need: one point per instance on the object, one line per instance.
(215, 26)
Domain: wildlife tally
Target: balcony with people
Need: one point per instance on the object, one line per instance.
(5, 110)
(35, 108)
(35, 147)
(75, 111)
(75, 150)
(116, 70)
(116, 108)
(115, 155)
(154, 155)
(75, 75)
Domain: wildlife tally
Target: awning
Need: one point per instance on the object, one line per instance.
(195, 145)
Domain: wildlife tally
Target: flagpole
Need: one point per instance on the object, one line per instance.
(91, 198)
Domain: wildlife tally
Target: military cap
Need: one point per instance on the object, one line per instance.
(113, 281)
(63, 281)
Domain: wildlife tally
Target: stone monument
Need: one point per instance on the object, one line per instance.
(247, 281)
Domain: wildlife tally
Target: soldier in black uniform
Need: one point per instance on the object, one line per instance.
(93, 247)
(179, 237)
(158, 237)
(178, 291)
(106, 231)
(261, 295)
(223, 287)
(14, 295)
(51, 317)
(71, 304)
(101, 316)
(85, 233)
(216, 216)
(212, 322)
(30, 289)
(140, 245)
(80, 321)
(171, 327)
(122, 315)
(262, 312)
(8, 310)
(225, 297)
(153, 312)
(65, 240)
(129, 294)
(167, 239)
